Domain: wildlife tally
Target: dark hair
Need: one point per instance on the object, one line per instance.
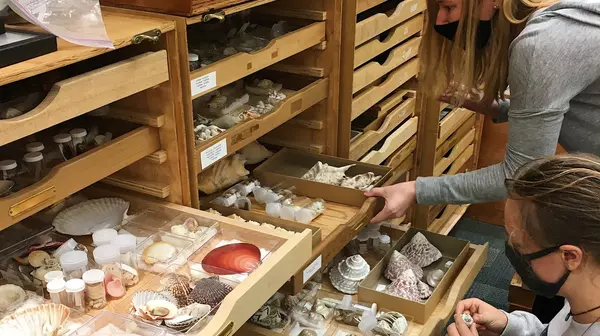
(560, 201)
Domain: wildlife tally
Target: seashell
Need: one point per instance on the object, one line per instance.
(342, 284)
(191, 224)
(307, 332)
(232, 259)
(89, 216)
(324, 173)
(115, 287)
(424, 290)
(140, 299)
(178, 285)
(289, 302)
(159, 310)
(158, 252)
(11, 296)
(420, 251)
(188, 316)
(209, 291)
(354, 268)
(398, 264)
(407, 286)
(361, 182)
(6, 187)
(467, 318)
(47, 319)
(434, 277)
(37, 258)
(270, 317)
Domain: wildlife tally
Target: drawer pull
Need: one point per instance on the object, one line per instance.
(151, 36)
(35, 200)
(227, 330)
(245, 134)
(220, 16)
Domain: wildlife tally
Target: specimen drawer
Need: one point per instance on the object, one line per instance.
(77, 95)
(177, 7)
(453, 154)
(380, 22)
(393, 142)
(452, 121)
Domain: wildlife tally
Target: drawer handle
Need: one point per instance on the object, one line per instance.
(25, 205)
(227, 330)
(243, 135)
(151, 35)
(220, 16)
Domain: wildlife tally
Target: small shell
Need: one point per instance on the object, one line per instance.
(158, 252)
(140, 299)
(158, 310)
(11, 296)
(467, 318)
(36, 258)
(188, 316)
(308, 332)
(178, 285)
(209, 291)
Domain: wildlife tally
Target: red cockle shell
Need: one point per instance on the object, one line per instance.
(232, 259)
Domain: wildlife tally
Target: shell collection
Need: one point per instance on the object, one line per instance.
(348, 274)
(90, 216)
(270, 317)
(189, 228)
(47, 319)
(324, 173)
(390, 324)
(232, 259)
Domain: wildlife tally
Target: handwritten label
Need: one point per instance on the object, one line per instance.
(204, 83)
(413, 8)
(312, 269)
(213, 153)
(380, 288)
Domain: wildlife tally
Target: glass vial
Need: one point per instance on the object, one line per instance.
(64, 147)
(373, 240)
(108, 257)
(194, 61)
(385, 244)
(78, 136)
(35, 147)
(34, 164)
(75, 289)
(95, 294)
(57, 290)
(126, 244)
(74, 264)
(8, 169)
(363, 242)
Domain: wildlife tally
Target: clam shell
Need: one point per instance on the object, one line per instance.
(158, 252)
(209, 291)
(90, 216)
(36, 258)
(47, 319)
(159, 310)
(140, 299)
(177, 285)
(11, 296)
(188, 316)
(232, 259)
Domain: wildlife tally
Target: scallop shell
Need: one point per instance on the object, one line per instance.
(209, 291)
(140, 299)
(188, 316)
(11, 296)
(90, 216)
(48, 319)
(232, 259)
(158, 310)
(158, 252)
(36, 258)
(178, 285)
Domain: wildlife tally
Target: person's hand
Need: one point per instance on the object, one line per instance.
(489, 109)
(460, 328)
(398, 198)
(487, 319)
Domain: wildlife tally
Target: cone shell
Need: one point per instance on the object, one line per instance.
(209, 291)
(50, 318)
(354, 268)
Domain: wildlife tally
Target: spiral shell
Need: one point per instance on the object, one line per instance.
(209, 291)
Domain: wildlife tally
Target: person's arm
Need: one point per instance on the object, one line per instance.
(547, 69)
(523, 324)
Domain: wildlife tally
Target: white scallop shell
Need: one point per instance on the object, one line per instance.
(11, 296)
(48, 319)
(140, 299)
(90, 216)
(188, 316)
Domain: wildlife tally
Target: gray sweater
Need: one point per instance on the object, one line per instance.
(554, 79)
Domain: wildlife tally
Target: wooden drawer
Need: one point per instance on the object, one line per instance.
(80, 94)
(363, 5)
(240, 65)
(380, 22)
(459, 162)
(393, 142)
(451, 122)
(78, 173)
(185, 7)
(396, 35)
(435, 325)
(242, 134)
(402, 107)
(372, 71)
(371, 95)
(402, 153)
(452, 155)
(442, 146)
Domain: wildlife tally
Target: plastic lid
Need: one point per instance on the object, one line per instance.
(125, 242)
(78, 132)
(8, 164)
(193, 57)
(75, 285)
(54, 275)
(93, 276)
(67, 246)
(33, 157)
(62, 138)
(374, 234)
(373, 226)
(34, 147)
(56, 286)
(104, 236)
(385, 239)
(106, 254)
(363, 236)
(73, 260)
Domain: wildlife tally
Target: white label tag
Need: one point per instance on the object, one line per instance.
(312, 269)
(213, 153)
(204, 83)
(380, 288)
(413, 8)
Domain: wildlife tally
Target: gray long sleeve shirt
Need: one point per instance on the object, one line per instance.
(554, 79)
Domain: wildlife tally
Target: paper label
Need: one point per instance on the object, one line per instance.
(380, 288)
(413, 8)
(213, 153)
(312, 269)
(204, 83)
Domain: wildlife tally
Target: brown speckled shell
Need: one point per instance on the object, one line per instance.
(406, 286)
(420, 251)
(209, 291)
(398, 264)
(179, 286)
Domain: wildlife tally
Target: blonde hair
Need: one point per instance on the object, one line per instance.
(457, 68)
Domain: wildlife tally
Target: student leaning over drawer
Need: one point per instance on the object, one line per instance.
(552, 219)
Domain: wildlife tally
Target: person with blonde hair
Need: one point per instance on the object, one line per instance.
(547, 52)
(552, 218)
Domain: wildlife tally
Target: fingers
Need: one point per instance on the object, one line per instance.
(468, 305)
(462, 327)
(382, 215)
(375, 192)
(452, 330)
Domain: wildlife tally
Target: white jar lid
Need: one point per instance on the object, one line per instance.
(78, 132)
(75, 286)
(34, 147)
(106, 254)
(67, 246)
(73, 260)
(62, 138)
(363, 236)
(104, 236)
(385, 239)
(56, 286)
(8, 164)
(93, 276)
(33, 157)
(193, 57)
(374, 234)
(125, 242)
(373, 226)
(54, 275)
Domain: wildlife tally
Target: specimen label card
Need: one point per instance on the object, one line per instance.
(204, 83)
(213, 153)
(312, 269)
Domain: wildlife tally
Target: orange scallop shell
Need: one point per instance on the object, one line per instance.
(232, 259)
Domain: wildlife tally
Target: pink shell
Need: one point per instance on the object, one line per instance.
(232, 259)
(114, 287)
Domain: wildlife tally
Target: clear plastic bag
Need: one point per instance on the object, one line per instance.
(77, 21)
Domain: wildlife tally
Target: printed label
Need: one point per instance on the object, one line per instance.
(204, 83)
(312, 269)
(380, 288)
(213, 153)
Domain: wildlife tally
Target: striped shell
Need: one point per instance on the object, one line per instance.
(178, 285)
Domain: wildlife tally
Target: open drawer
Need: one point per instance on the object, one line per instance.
(77, 95)
(380, 22)
(452, 121)
(393, 142)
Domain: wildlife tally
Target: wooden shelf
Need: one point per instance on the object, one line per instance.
(151, 188)
(227, 11)
(380, 22)
(79, 173)
(455, 153)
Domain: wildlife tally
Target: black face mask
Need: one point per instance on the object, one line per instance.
(484, 31)
(522, 265)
